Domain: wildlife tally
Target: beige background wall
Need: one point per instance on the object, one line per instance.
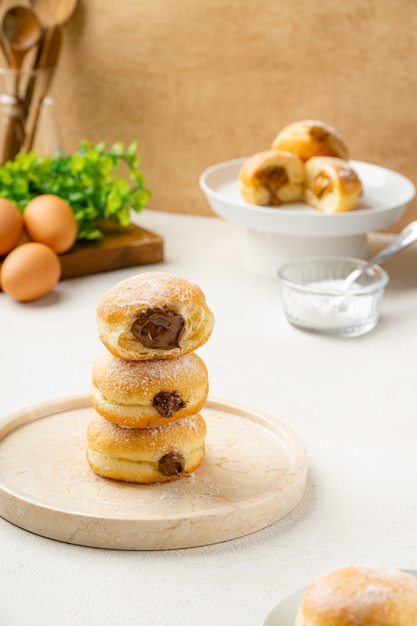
(202, 81)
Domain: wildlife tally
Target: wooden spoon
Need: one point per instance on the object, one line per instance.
(22, 31)
(54, 12)
(50, 60)
(5, 46)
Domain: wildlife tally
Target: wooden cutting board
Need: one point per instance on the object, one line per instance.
(119, 247)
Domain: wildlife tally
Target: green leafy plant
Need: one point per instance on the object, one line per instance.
(89, 180)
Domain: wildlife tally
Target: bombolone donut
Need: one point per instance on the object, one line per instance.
(153, 315)
(142, 394)
(146, 455)
(272, 178)
(365, 596)
(309, 138)
(331, 185)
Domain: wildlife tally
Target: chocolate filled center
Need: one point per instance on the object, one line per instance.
(160, 329)
(171, 464)
(167, 403)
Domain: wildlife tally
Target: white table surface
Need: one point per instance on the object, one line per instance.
(353, 403)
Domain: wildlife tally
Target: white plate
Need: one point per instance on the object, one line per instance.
(385, 198)
(285, 612)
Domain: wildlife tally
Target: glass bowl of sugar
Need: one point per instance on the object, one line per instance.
(316, 300)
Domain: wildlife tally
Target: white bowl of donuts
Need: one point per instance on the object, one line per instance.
(304, 196)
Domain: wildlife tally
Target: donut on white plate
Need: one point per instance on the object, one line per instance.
(360, 596)
(272, 178)
(309, 138)
(331, 185)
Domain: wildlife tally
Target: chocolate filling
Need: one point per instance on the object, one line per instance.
(160, 329)
(167, 403)
(172, 464)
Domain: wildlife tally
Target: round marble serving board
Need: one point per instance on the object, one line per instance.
(254, 473)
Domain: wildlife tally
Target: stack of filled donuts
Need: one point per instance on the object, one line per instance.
(308, 161)
(149, 385)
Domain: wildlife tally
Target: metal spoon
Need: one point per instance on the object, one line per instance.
(406, 238)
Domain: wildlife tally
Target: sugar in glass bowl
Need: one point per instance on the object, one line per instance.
(314, 299)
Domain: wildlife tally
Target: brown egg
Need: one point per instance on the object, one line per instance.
(30, 271)
(11, 225)
(49, 219)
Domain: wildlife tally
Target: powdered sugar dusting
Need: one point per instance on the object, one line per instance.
(136, 376)
(135, 383)
(126, 441)
(358, 594)
(149, 290)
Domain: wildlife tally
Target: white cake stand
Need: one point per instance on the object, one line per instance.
(274, 235)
